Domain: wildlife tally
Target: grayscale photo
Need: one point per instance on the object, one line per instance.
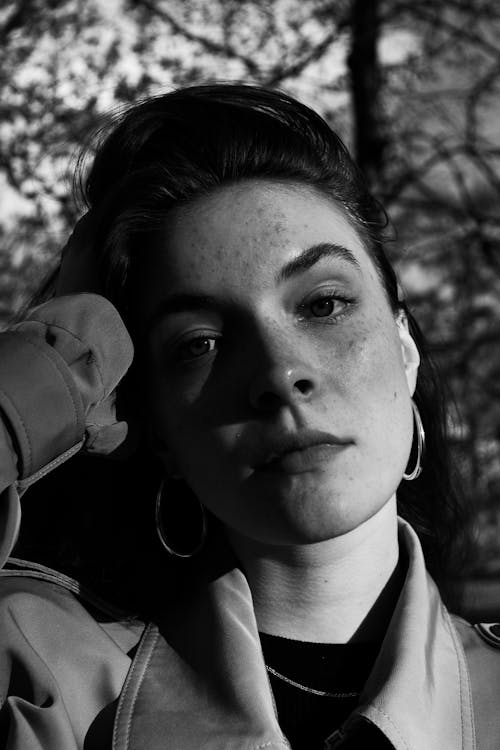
(249, 375)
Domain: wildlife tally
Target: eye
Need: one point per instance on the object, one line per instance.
(326, 304)
(322, 307)
(195, 348)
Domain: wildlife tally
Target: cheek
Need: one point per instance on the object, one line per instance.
(376, 363)
(181, 420)
(367, 383)
(385, 405)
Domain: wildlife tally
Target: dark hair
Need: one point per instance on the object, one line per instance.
(171, 149)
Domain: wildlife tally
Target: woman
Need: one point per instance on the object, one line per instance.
(283, 387)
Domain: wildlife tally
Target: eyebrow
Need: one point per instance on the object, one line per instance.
(187, 302)
(312, 255)
(182, 302)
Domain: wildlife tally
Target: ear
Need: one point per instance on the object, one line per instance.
(167, 458)
(409, 351)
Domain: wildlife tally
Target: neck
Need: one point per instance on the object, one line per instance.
(344, 589)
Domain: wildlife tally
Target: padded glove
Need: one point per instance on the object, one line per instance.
(59, 369)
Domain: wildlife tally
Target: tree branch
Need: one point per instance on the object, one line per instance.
(279, 74)
(210, 45)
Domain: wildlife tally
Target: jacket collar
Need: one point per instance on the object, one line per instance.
(199, 679)
(418, 693)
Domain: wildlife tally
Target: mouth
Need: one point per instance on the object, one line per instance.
(296, 453)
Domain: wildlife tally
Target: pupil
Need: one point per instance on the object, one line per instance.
(321, 308)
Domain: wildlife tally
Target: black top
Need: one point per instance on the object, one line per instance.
(341, 670)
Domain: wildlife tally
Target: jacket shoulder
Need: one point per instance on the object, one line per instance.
(59, 667)
(43, 604)
(34, 610)
(19, 591)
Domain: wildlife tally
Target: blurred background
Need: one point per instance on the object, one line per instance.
(412, 87)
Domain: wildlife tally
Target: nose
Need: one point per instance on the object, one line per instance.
(286, 384)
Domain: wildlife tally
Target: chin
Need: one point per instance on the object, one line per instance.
(312, 516)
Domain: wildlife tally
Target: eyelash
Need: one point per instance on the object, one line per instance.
(330, 295)
(183, 346)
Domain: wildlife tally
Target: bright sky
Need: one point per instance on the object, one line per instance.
(309, 87)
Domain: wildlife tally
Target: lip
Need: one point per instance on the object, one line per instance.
(295, 453)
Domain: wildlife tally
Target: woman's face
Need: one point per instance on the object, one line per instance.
(280, 380)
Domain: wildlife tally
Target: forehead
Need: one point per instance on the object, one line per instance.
(243, 234)
(261, 214)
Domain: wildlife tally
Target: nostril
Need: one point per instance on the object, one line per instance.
(304, 386)
(275, 389)
(269, 400)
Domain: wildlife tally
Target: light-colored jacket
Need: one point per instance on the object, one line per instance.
(77, 673)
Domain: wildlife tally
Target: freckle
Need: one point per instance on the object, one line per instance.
(395, 395)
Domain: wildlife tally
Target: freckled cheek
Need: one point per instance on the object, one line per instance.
(381, 356)
(171, 412)
(182, 420)
(203, 457)
(367, 365)
(164, 403)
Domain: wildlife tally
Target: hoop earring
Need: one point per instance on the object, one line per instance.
(420, 444)
(160, 528)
